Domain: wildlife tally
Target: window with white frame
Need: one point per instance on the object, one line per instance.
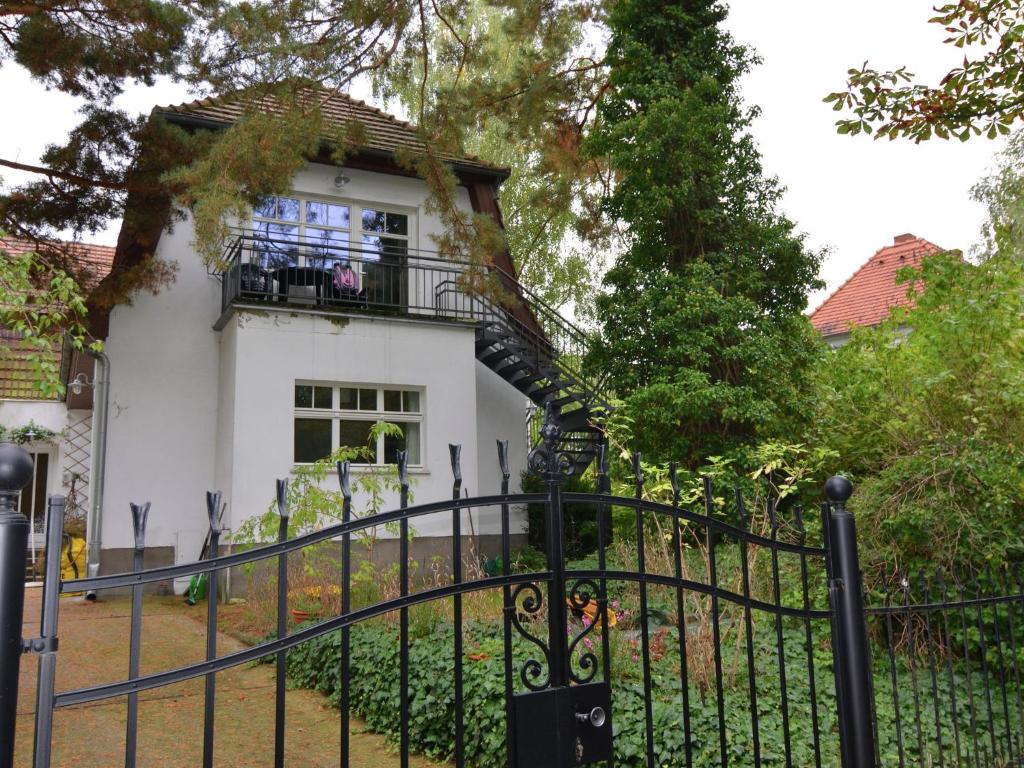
(328, 416)
(302, 231)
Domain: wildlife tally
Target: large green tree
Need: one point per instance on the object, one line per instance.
(542, 200)
(703, 335)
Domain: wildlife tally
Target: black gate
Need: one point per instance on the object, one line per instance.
(700, 634)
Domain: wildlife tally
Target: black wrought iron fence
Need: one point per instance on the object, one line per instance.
(712, 629)
(948, 669)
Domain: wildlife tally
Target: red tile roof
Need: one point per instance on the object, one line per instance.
(867, 297)
(16, 376)
(92, 262)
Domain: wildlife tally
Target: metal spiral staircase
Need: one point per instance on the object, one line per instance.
(544, 360)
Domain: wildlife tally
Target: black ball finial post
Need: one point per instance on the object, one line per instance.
(838, 489)
(853, 664)
(15, 474)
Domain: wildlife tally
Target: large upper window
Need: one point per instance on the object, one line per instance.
(330, 416)
(300, 231)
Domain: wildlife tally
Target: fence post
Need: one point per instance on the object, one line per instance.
(554, 467)
(15, 474)
(851, 659)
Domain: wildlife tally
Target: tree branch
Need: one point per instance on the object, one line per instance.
(74, 178)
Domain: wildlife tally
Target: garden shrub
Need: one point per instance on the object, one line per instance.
(374, 696)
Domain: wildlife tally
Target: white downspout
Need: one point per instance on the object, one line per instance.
(97, 465)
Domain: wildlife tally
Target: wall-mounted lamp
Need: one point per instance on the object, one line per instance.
(341, 180)
(80, 382)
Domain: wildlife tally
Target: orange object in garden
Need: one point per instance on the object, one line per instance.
(590, 610)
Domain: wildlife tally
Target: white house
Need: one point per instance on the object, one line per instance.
(331, 313)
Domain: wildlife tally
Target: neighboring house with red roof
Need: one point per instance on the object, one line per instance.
(63, 464)
(869, 295)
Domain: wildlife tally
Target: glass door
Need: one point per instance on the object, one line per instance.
(385, 242)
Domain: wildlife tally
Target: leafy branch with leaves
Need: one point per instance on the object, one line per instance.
(982, 96)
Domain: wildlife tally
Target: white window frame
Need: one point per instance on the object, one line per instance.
(336, 414)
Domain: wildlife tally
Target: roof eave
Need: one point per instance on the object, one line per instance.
(495, 175)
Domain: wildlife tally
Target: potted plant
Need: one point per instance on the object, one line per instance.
(307, 602)
(304, 603)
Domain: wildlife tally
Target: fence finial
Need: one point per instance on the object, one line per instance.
(140, 513)
(344, 479)
(838, 489)
(798, 513)
(673, 479)
(741, 509)
(503, 459)
(402, 460)
(709, 497)
(214, 510)
(638, 473)
(282, 498)
(455, 451)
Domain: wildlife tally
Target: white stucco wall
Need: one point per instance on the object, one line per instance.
(48, 414)
(500, 415)
(162, 427)
(195, 409)
(277, 349)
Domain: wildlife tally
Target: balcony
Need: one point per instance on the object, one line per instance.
(389, 280)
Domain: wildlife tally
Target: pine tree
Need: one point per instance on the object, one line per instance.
(703, 335)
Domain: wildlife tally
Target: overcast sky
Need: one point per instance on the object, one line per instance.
(850, 195)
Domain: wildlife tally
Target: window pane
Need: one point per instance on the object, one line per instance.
(276, 244)
(393, 249)
(392, 400)
(411, 402)
(410, 441)
(327, 239)
(312, 439)
(371, 248)
(373, 221)
(328, 245)
(355, 434)
(303, 396)
(327, 214)
(348, 399)
(397, 224)
(288, 208)
(266, 207)
(322, 397)
(367, 399)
